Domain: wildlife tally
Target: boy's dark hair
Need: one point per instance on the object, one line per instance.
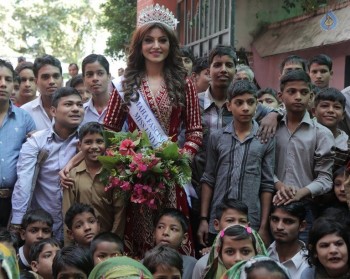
(77, 80)
(269, 265)
(330, 94)
(108, 237)
(339, 171)
(296, 209)
(63, 92)
(73, 64)
(8, 65)
(90, 128)
(200, 64)
(37, 215)
(175, 213)
(38, 247)
(74, 256)
(320, 228)
(267, 90)
(294, 59)
(227, 203)
(186, 51)
(40, 62)
(9, 237)
(163, 256)
(239, 88)
(23, 66)
(321, 59)
(295, 75)
(74, 210)
(222, 50)
(92, 58)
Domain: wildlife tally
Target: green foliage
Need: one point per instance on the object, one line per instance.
(308, 6)
(119, 18)
(50, 26)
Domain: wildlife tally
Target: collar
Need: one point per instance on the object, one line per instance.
(306, 119)
(37, 103)
(22, 257)
(209, 100)
(88, 104)
(229, 129)
(298, 259)
(53, 135)
(83, 168)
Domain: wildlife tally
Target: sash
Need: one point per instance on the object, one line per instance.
(144, 118)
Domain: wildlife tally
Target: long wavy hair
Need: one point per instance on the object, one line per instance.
(174, 71)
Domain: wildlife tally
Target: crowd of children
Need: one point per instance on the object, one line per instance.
(270, 191)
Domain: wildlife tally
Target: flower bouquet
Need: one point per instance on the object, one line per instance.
(140, 173)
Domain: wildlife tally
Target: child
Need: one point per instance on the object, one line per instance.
(41, 256)
(200, 74)
(120, 267)
(164, 262)
(82, 224)
(232, 245)
(329, 110)
(72, 262)
(251, 171)
(171, 230)
(268, 97)
(304, 156)
(286, 222)
(88, 188)
(77, 83)
(96, 80)
(258, 267)
(320, 70)
(228, 212)
(104, 246)
(340, 176)
(291, 63)
(36, 225)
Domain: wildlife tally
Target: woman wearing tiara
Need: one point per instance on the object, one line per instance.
(155, 73)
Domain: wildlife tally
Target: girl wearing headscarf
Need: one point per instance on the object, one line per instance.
(233, 244)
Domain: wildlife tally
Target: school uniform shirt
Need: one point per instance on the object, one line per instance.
(109, 209)
(47, 192)
(36, 110)
(305, 158)
(296, 264)
(91, 114)
(239, 169)
(199, 268)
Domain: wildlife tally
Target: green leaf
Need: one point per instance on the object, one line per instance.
(170, 152)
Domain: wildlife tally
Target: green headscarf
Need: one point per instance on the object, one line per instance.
(238, 270)
(215, 267)
(9, 262)
(120, 267)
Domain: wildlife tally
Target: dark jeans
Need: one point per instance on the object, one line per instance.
(5, 211)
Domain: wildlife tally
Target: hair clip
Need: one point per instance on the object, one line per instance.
(249, 230)
(222, 233)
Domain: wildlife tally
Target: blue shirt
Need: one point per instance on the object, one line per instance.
(47, 193)
(16, 125)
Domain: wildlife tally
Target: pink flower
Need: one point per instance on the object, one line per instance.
(127, 147)
(125, 186)
(109, 152)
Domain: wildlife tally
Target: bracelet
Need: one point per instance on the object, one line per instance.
(204, 218)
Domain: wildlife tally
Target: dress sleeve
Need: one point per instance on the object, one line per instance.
(192, 120)
(116, 114)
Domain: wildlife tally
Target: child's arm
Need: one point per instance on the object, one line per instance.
(66, 181)
(208, 182)
(203, 230)
(267, 190)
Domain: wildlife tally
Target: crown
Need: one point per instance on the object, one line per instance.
(157, 13)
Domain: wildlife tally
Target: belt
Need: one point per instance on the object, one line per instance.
(5, 193)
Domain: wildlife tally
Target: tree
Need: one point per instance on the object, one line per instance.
(52, 27)
(119, 18)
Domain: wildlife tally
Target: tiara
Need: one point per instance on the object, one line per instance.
(157, 13)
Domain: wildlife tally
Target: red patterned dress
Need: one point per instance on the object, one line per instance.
(139, 227)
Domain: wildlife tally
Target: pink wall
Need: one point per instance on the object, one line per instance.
(267, 69)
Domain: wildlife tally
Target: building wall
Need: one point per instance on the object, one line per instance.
(267, 70)
(252, 15)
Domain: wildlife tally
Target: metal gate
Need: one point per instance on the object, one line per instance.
(206, 23)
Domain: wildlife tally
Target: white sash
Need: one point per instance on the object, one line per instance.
(144, 117)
